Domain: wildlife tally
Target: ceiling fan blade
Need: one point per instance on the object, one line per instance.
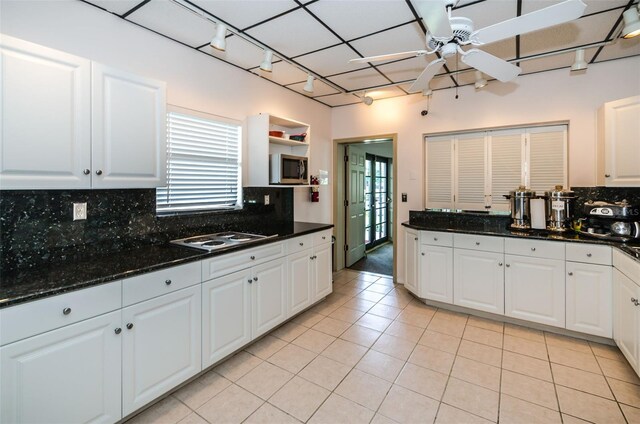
(549, 16)
(422, 82)
(491, 65)
(389, 56)
(435, 17)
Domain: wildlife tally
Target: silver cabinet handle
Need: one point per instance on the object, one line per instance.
(250, 281)
(477, 243)
(499, 263)
(588, 255)
(129, 326)
(435, 239)
(253, 258)
(416, 239)
(324, 237)
(635, 301)
(507, 265)
(99, 172)
(66, 311)
(570, 273)
(255, 278)
(301, 244)
(607, 175)
(533, 249)
(167, 282)
(422, 253)
(311, 257)
(118, 330)
(86, 171)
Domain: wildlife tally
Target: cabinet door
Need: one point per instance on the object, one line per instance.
(226, 315)
(478, 280)
(44, 116)
(535, 289)
(436, 273)
(411, 261)
(68, 375)
(268, 296)
(322, 278)
(626, 330)
(621, 147)
(128, 130)
(161, 346)
(589, 298)
(300, 276)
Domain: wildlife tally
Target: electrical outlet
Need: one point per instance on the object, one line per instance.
(79, 211)
(266, 199)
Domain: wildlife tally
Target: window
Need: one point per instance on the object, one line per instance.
(203, 163)
(474, 170)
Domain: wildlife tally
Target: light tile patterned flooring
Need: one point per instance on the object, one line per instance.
(371, 353)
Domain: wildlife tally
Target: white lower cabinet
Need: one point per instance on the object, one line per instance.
(436, 273)
(478, 280)
(411, 274)
(589, 298)
(160, 346)
(322, 271)
(535, 289)
(626, 324)
(268, 296)
(300, 275)
(68, 375)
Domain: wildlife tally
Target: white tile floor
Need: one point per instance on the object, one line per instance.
(370, 353)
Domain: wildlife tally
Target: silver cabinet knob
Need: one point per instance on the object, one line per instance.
(324, 237)
(167, 282)
(533, 249)
(435, 239)
(311, 257)
(570, 273)
(422, 253)
(416, 239)
(507, 265)
(499, 263)
(589, 255)
(301, 244)
(99, 172)
(607, 175)
(86, 171)
(255, 278)
(66, 311)
(129, 326)
(253, 258)
(118, 330)
(250, 281)
(635, 301)
(477, 243)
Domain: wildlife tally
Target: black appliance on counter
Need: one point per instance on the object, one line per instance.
(617, 221)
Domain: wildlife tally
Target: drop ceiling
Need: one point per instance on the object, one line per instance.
(320, 36)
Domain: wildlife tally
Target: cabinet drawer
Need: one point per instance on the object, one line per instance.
(232, 262)
(146, 286)
(321, 237)
(22, 321)
(589, 253)
(475, 242)
(436, 238)
(534, 248)
(627, 265)
(299, 244)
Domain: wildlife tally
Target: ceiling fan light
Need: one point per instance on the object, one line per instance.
(266, 64)
(579, 64)
(631, 23)
(308, 87)
(480, 81)
(219, 42)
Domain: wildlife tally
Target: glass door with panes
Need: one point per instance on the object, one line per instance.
(377, 200)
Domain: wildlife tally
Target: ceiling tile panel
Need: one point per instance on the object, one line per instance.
(172, 20)
(319, 89)
(119, 7)
(554, 62)
(593, 6)
(359, 80)
(331, 61)
(407, 69)
(351, 19)
(622, 48)
(405, 38)
(239, 52)
(488, 12)
(244, 13)
(282, 73)
(339, 99)
(294, 34)
(385, 93)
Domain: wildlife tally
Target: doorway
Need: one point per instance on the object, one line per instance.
(377, 200)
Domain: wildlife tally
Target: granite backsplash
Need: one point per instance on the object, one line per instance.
(609, 194)
(37, 227)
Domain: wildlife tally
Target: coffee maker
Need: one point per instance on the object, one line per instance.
(617, 221)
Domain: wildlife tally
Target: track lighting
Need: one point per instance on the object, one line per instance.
(579, 64)
(219, 41)
(367, 100)
(427, 92)
(480, 81)
(631, 22)
(266, 64)
(308, 87)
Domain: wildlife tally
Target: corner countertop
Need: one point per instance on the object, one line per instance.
(27, 285)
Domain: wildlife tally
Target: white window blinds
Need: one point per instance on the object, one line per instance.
(470, 172)
(507, 159)
(547, 158)
(203, 164)
(439, 161)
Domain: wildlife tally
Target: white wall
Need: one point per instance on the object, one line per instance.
(544, 97)
(194, 80)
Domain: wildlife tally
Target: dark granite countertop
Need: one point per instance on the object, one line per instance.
(62, 277)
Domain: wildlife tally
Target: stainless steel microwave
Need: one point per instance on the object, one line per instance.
(288, 169)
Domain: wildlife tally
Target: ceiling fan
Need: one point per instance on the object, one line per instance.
(446, 35)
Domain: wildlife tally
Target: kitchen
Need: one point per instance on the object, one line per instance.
(198, 82)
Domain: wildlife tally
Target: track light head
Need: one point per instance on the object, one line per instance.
(427, 92)
(631, 22)
(480, 81)
(308, 87)
(367, 100)
(266, 64)
(579, 64)
(219, 42)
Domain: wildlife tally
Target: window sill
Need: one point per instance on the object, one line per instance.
(204, 212)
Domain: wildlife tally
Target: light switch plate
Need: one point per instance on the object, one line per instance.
(79, 211)
(266, 199)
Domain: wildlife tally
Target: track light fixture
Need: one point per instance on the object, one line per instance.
(367, 100)
(480, 81)
(266, 64)
(308, 87)
(219, 42)
(579, 64)
(631, 22)
(427, 92)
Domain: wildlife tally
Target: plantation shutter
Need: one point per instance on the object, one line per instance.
(439, 162)
(203, 163)
(470, 172)
(547, 158)
(507, 159)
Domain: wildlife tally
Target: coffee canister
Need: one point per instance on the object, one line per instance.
(560, 209)
(521, 207)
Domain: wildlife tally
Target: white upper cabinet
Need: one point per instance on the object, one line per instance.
(128, 127)
(618, 143)
(68, 123)
(45, 117)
